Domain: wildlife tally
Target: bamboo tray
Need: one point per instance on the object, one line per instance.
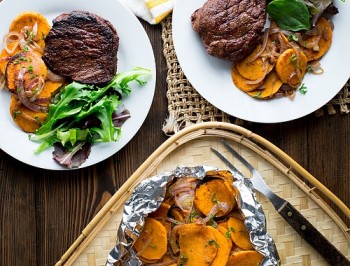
(191, 147)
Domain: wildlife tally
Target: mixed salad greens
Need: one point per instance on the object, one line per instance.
(81, 115)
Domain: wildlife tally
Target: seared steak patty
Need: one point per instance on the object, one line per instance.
(82, 46)
(230, 29)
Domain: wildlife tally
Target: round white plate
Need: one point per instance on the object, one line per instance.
(134, 50)
(211, 77)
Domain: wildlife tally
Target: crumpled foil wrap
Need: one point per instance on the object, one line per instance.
(149, 194)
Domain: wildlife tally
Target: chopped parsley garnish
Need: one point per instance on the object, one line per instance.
(257, 95)
(212, 242)
(183, 260)
(16, 113)
(30, 69)
(228, 233)
(293, 58)
(212, 221)
(293, 37)
(303, 89)
(194, 214)
(152, 246)
(214, 199)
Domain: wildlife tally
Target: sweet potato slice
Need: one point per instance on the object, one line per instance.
(224, 248)
(152, 242)
(211, 193)
(222, 227)
(29, 19)
(239, 233)
(289, 64)
(49, 90)
(271, 85)
(34, 67)
(242, 83)
(323, 45)
(245, 258)
(197, 245)
(254, 69)
(5, 56)
(161, 212)
(26, 119)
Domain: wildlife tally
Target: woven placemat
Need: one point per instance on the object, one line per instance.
(186, 106)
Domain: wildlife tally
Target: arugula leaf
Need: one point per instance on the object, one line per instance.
(289, 14)
(78, 102)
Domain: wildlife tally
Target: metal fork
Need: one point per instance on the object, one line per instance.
(304, 228)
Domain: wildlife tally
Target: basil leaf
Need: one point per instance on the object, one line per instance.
(289, 14)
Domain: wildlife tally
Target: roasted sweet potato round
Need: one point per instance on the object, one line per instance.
(152, 242)
(26, 21)
(270, 86)
(242, 83)
(245, 258)
(254, 68)
(33, 67)
(239, 233)
(197, 244)
(317, 51)
(210, 194)
(5, 56)
(289, 64)
(26, 119)
(223, 246)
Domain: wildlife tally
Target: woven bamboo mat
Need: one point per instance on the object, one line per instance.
(191, 147)
(187, 107)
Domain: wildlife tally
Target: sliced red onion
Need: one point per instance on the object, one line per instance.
(182, 184)
(315, 68)
(54, 77)
(36, 47)
(23, 44)
(308, 45)
(184, 200)
(38, 90)
(29, 89)
(173, 238)
(263, 47)
(45, 100)
(221, 206)
(35, 29)
(22, 97)
(283, 45)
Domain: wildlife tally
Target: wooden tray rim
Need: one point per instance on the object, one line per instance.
(254, 142)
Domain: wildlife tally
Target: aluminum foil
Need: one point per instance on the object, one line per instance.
(149, 194)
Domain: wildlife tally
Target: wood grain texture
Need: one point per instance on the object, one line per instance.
(43, 212)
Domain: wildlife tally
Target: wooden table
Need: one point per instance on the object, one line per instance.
(42, 212)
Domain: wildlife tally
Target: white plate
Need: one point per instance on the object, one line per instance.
(211, 77)
(134, 50)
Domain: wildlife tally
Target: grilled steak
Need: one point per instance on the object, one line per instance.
(82, 46)
(230, 29)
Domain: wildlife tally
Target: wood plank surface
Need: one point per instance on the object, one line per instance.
(43, 212)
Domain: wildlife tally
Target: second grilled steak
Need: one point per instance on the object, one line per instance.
(82, 46)
(230, 29)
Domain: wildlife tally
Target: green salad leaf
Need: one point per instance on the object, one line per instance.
(78, 103)
(290, 14)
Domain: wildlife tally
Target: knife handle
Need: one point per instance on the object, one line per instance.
(308, 232)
